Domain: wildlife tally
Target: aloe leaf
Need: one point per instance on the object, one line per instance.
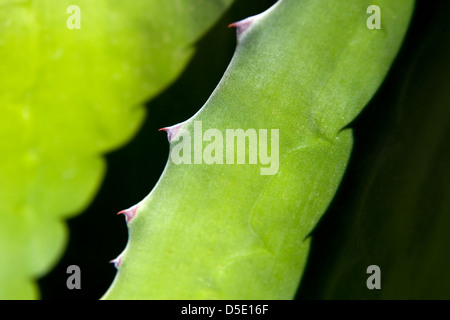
(240, 231)
(69, 95)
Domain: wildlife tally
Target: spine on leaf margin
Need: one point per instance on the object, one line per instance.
(222, 231)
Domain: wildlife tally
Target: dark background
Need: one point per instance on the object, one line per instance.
(383, 131)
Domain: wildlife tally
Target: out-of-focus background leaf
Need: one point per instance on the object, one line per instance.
(67, 97)
(393, 208)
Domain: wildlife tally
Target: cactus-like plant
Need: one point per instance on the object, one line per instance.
(220, 227)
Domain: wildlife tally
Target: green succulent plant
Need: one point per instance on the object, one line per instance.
(250, 174)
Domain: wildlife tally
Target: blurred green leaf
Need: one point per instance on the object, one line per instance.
(68, 96)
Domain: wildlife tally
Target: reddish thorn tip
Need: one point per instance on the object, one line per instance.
(130, 213)
(242, 26)
(117, 262)
(172, 131)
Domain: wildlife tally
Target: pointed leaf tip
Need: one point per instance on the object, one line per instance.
(242, 26)
(172, 131)
(117, 261)
(129, 213)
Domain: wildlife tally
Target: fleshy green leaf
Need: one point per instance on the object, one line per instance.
(222, 231)
(68, 96)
